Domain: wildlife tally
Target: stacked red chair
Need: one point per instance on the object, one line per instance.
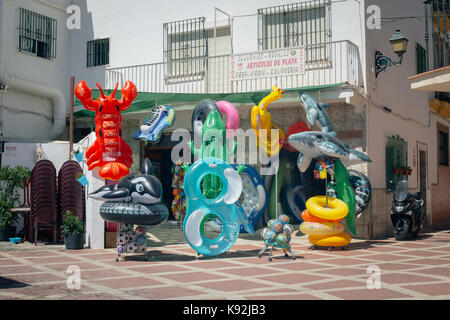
(70, 191)
(44, 204)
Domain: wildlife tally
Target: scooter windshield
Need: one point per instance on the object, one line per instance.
(401, 192)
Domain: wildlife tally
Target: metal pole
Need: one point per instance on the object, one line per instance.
(72, 88)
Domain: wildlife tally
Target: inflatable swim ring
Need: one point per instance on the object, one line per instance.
(324, 228)
(199, 115)
(254, 196)
(295, 201)
(232, 116)
(336, 211)
(336, 240)
(306, 216)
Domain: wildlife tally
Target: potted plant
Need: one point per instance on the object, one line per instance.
(73, 231)
(78, 155)
(397, 170)
(11, 180)
(408, 171)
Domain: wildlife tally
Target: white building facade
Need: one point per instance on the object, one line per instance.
(174, 49)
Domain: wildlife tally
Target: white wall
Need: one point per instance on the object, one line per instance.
(19, 108)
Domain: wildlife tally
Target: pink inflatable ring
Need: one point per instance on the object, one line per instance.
(232, 116)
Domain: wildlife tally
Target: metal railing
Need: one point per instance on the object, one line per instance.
(341, 65)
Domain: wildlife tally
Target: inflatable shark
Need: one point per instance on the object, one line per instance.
(141, 188)
(316, 112)
(321, 145)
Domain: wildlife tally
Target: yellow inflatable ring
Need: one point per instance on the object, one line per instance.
(324, 228)
(337, 209)
(336, 240)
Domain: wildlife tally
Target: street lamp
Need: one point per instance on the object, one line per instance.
(399, 43)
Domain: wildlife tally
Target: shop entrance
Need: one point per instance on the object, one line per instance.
(162, 169)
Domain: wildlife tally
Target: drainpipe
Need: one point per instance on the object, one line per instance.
(44, 91)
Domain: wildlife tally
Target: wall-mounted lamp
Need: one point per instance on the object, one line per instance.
(399, 43)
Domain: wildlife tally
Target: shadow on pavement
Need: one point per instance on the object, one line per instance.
(6, 283)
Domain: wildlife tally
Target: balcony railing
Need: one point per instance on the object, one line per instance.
(325, 64)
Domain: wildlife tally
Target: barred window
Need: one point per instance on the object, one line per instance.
(443, 148)
(98, 52)
(185, 48)
(37, 34)
(299, 24)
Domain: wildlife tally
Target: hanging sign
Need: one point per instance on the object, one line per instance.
(266, 64)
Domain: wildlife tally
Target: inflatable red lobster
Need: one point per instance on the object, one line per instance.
(109, 152)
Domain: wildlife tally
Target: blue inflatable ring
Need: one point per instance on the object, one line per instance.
(224, 207)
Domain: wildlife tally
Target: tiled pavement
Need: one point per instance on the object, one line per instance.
(417, 269)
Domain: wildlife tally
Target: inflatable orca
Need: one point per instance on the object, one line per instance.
(135, 199)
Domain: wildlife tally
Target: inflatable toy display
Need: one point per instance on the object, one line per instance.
(199, 115)
(297, 127)
(135, 199)
(223, 206)
(254, 196)
(179, 199)
(277, 234)
(213, 146)
(322, 222)
(316, 112)
(261, 120)
(109, 151)
(362, 188)
(318, 145)
(295, 200)
(151, 131)
(275, 190)
(232, 116)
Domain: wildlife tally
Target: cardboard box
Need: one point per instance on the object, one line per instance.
(110, 239)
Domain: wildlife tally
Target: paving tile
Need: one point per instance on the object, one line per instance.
(192, 277)
(17, 269)
(246, 271)
(404, 278)
(210, 264)
(284, 297)
(55, 259)
(170, 292)
(345, 261)
(39, 253)
(386, 257)
(342, 271)
(395, 266)
(157, 269)
(92, 296)
(101, 256)
(82, 265)
(368, 294)
(337, 284)
(131, 282)
(430, 262)
(45, 290)
(9, 262)
(292, 278)
(103, 273)
(431, 289)
(232, 285)
(31, 278)
(439, 271)
(297, 265)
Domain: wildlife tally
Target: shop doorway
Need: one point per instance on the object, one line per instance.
(423, 181)
(162, 169)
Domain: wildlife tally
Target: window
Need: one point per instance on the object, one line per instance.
(185, 48)
(98, 52)
(396, 157)
(300, 24)
(421, 57)
(443, 148)
(37, 34)
(440, 33)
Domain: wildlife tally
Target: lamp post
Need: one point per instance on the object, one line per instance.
(399, 43)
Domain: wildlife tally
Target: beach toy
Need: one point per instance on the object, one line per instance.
(109, 152)
(223, 206)
(336, 210)
(277, 234)
(232, 115)
(261, 122)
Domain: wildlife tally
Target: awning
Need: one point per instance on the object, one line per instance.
(148, 100)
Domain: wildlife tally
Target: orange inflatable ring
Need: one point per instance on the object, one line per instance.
(308, 217)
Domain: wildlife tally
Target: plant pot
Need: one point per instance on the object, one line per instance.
(79, 156)
(74, 241)
(83, 180)
(396, 171)
(7, 233)
(408, 172)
